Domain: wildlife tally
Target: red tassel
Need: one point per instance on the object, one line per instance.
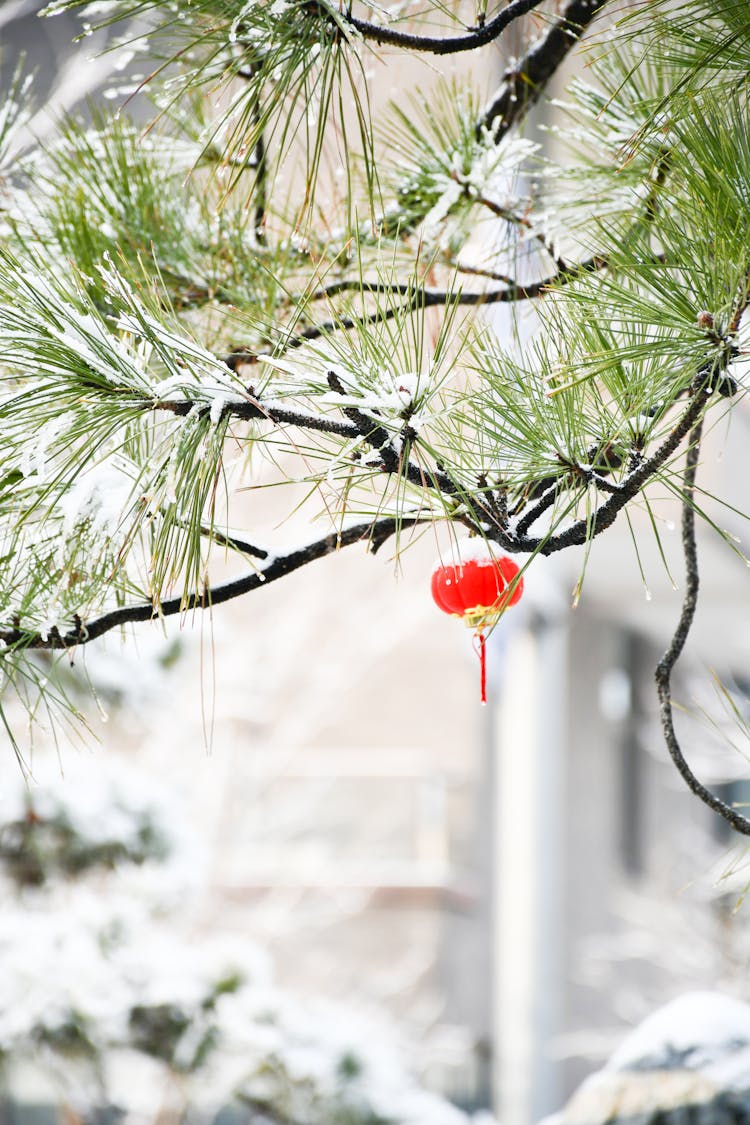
(482, 654)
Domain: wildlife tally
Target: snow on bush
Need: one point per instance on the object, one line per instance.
(103, 986)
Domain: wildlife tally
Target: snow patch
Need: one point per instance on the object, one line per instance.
(474, 549)
(693, 1031)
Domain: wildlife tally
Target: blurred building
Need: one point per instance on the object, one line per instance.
(615, 889)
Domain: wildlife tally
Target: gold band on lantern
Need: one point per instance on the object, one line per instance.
(480, 616)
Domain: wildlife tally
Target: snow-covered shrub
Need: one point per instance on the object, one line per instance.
(116, 990)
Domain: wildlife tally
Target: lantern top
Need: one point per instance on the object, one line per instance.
(474, 549)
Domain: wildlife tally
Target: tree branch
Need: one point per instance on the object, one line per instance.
(483, 271)
(376, 532)
(665, 666)
(276, 566)
(476, 37)
(393, 460)
(603, 517)
(522, 87)
(549, 495)
(430, 298)
(361, 426)
(253, 409)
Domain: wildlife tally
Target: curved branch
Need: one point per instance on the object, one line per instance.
(664, 668)
(484, 271)
(471, 41)
(345, 323)
(424, 298)
(523, 86)
(276, 566)
(429, 298)
(544, 504)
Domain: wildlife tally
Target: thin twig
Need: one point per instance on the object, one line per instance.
(234, 543)
(512, 217)
(665, 666)
(482, 271)
(261, 178)
(530, 517)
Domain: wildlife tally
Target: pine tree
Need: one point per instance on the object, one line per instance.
(274, 268)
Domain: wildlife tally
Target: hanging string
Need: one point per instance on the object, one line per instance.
(481, 651)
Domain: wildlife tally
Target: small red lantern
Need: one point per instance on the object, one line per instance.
(479, 589)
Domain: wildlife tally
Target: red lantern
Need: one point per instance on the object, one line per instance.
(478, 589)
